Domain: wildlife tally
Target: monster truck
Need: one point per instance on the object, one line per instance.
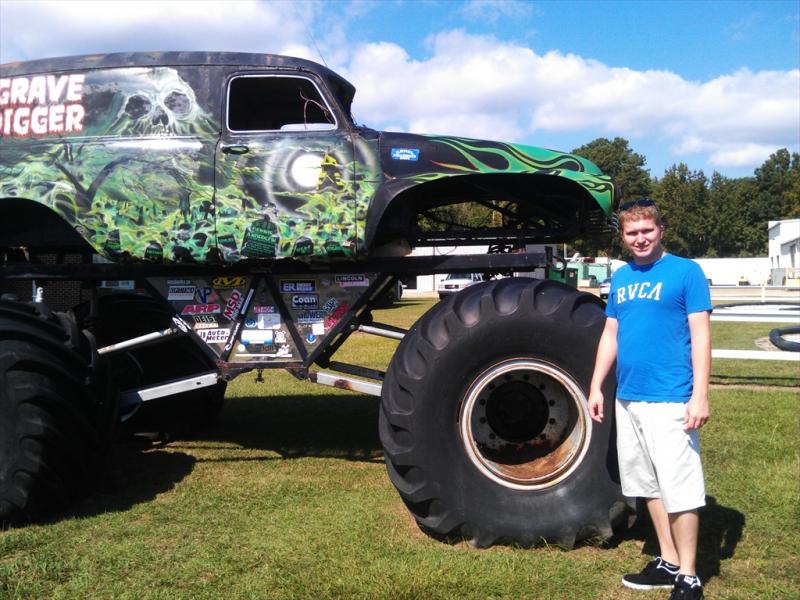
(256, 226)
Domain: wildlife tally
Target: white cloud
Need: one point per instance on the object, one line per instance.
(493, 10)
(470, 85)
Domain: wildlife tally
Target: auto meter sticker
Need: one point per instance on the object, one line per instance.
(303, 301)
(180, 292)
(352, 280)
(233, 305)
(201, 309)
(213, 336)
(289, 286)
(227, 283)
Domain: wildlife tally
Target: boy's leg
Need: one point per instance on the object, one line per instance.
(684, 526)
(662, 524)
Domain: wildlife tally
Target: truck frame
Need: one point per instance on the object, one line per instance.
(260, 227)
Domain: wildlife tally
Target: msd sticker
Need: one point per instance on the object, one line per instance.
(405, 154)
(233, 305)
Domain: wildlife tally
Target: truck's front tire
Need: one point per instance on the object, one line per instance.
(484, 421)
(57, 411)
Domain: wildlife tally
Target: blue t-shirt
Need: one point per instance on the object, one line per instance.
(651, 304)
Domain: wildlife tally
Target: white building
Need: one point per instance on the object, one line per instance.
(784, 251)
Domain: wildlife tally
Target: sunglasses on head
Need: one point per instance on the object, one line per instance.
(631, 203)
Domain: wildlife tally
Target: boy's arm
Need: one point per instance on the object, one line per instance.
(606, 355)
(697, 409)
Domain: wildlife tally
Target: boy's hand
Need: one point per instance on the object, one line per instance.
(697, 413)
(596, 406)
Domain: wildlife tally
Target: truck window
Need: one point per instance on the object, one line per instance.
(277, 103)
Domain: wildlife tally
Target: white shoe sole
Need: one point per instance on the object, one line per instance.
(643, 586)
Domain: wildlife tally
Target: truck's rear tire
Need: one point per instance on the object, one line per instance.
(124, 316)
(57, 411)
(484, 422)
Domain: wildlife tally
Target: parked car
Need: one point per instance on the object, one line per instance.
(605, 287)
(455, 282)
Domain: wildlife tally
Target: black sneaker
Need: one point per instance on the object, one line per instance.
(656, 574)
(687, 587)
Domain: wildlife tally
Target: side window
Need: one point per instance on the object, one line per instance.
(277, 103)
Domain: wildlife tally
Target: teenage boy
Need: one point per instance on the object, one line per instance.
(658, 331)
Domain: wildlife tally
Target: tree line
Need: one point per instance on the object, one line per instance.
(704, 217)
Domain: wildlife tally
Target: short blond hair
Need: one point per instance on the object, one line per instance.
(637, 212)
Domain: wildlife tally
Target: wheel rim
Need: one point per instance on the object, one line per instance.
(524, 423)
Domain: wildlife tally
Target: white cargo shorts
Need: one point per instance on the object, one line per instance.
(658, 457)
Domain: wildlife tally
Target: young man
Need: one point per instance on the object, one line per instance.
(658, 331)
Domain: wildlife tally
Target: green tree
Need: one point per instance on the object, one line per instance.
(632, 180)
(684, 200)
(779, 179)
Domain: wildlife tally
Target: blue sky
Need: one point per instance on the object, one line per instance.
(713, 84)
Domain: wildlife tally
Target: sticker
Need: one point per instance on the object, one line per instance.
(257, 336)
(205, 322)
(289, 286)
(42, 105)
(213, 336)
(268, 321)
(405, 154)
(280, 337)
(178, 322)
(180, 292)
(247, 300)
(311, 338)
(251, 322)
(352, 280)
(265, 309)
(236, 328)
(305, 300)
(336, 315)
(179, 281)
(310, 316)
(330, 305)
(233, 305)
(318, 328)
(201, 309)
(226, 283)
(206, 295)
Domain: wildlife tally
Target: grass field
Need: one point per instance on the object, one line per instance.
(287, 497)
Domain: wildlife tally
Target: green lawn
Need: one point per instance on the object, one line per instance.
(287, 497)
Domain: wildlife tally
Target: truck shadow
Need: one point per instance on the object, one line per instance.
(721, 529)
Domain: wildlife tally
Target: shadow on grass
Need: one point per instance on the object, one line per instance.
(297, 426)
(721, 530)
(737, 380)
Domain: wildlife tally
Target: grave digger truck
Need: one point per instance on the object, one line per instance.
(259, 226)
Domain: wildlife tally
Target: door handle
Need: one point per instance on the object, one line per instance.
(235, 149)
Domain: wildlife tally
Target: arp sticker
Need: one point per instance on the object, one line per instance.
(352, 280)
(405, 154)
(290, 286)
(180, 292)
(201, 309)
(213, 336)
(304, 301)
(226, 283)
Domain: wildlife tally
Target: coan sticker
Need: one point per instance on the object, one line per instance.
(233, 305)
(180, 292)
(213, 336)
(201, 309)
(352, 280)
(291, 286)
(405, 154)
(305, 301)
(226, 283)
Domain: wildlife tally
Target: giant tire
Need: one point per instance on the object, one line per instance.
(57, 411)
(484, 423)
(124, 316)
